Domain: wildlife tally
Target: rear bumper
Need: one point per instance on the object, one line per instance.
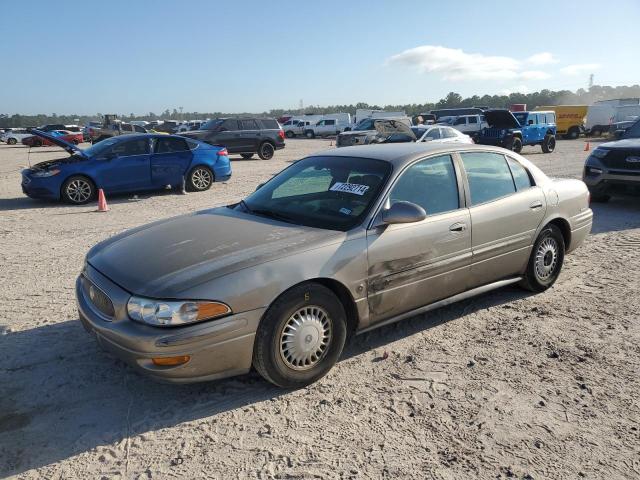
(217, 349)
(580, 228)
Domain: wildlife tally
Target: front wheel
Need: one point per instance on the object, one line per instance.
(545, 261)
(78, 190)
(266, 151)
(200, 179)
(12, 141)
(516, 146)
(300, 337)
(549, 144)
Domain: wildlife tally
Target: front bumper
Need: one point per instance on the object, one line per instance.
(617, 181)
(46, 187)
(217, 348)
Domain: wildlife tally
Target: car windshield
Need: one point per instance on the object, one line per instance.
(98, 148)
(334, 193)
(211, 124)
(366, 124)
(521, 117)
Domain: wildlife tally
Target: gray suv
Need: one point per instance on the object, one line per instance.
(245, 136)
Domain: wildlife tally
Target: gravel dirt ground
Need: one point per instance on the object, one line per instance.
(508, 384)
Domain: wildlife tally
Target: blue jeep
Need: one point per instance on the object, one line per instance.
(514, 130)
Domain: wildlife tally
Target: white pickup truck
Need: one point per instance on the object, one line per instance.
(294, 127)
(470, 124)
(326, 127)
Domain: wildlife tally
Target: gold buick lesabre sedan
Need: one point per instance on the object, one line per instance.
(340, 242)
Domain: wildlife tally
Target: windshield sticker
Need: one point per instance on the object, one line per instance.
(354, 188)
(346, 211)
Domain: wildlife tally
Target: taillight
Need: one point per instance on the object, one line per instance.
(281, 134)
(223, 153)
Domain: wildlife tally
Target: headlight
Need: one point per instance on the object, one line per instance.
(600, 152)
(45, 173)
(172, 313)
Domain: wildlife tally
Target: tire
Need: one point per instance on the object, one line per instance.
(310, 134)
(572, 134)
(516, 146)
(290, 134)
(12, 141)
(75, 142)
(310, 314)
(549, 144)
(545, 262)
(200, 179)
(246, 156)
(596, 132)
(78, 190)
(266, 151)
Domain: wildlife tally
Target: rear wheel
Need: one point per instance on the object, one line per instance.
(78, 190)
(290, 134)
(12, 141)
(549, 144)
(200, 179)
(309, 134)
(246, 156)
(545, 261)
(266, 151)
(300, 337)
(516, 146)
(596, 132)
(572, 134)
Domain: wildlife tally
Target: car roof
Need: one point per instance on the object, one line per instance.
(399, 154)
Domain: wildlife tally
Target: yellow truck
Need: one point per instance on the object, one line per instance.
(569, 119)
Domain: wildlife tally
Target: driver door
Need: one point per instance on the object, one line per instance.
(126, 166)
(414, 264)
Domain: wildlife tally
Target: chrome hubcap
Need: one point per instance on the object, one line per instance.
(201, 179)
(305, 338)
(546, 258)
(79, 191)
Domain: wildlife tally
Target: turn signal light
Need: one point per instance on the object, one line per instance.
(170, 361)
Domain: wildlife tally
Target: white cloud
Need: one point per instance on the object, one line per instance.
(533, 75)
(542, 58)
(455, 64)
(580, 68)
(516, 89)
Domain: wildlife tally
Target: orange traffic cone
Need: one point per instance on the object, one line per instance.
(102, 202)
(587, 147)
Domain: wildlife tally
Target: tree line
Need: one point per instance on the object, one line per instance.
(452, 100)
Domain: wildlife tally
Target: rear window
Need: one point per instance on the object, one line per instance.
(269, 123)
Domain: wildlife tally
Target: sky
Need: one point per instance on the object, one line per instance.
(250, 56)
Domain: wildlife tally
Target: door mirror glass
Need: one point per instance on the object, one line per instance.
(403, 212)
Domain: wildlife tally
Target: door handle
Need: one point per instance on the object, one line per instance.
(535, 205)
(457, 227)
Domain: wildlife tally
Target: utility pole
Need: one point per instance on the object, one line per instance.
(590, 81)
(181, 117)
(301, 107)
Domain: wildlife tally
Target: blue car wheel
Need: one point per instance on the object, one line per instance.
(78, 190)
(200, 179)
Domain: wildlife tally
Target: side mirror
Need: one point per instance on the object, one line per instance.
(260, 186)
(403, 212)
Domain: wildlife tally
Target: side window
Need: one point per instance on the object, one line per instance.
(126, 127)
(551, 118)
(489, 176)
(521, 176)
(139, 129)
(433, 134)
(229, 125)
(329, 122)
(132, 147)
(448, 132)
(429, 183)
(269, 123)
(460, 121)
(473, 119)
(532, 119)
(248, 125)
(170, 144)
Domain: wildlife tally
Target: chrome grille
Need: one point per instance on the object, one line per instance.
(98, 298)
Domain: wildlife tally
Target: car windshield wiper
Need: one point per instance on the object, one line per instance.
(271, 214)
(245, 206)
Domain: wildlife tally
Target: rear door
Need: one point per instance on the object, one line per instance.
(125, 166)
(228, 135)
(170, 160)
(249, 135)
(414, 264)
(506, 209)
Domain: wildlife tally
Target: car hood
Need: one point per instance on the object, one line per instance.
(163, 259)
(386, 128)
(501, 119)
(629, 143)
(69, 147)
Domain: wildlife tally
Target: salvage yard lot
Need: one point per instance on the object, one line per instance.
(506, 384)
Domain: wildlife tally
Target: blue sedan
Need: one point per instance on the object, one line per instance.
(127, 163)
